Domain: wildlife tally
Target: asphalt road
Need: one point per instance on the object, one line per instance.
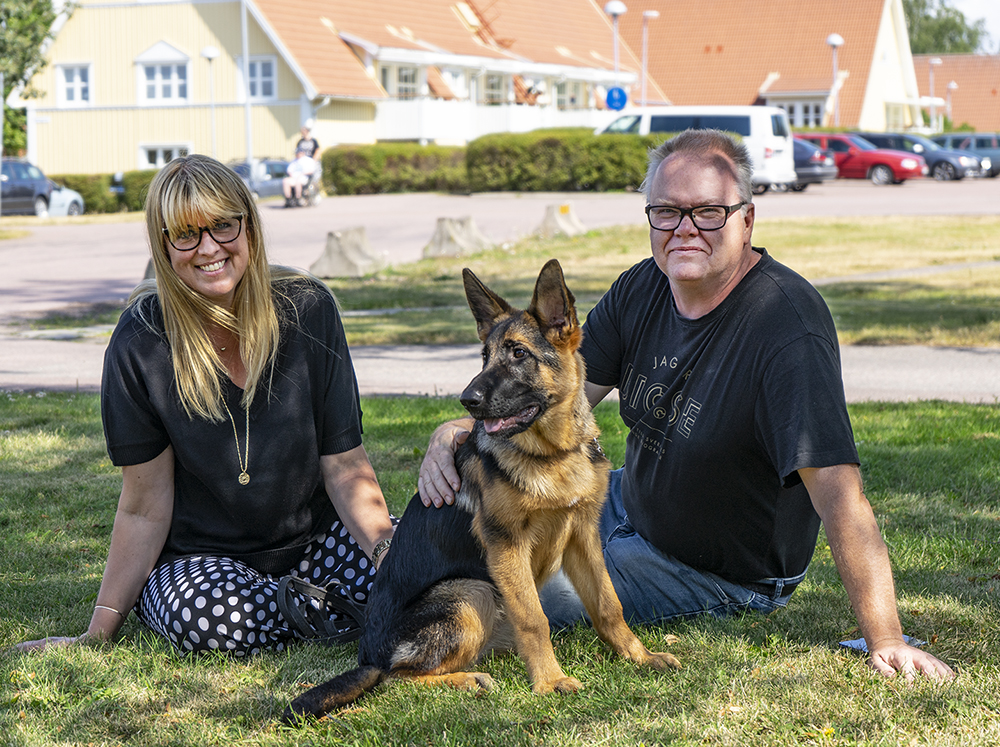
(60, 265)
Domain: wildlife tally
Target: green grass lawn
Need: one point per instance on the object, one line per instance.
(932, 472)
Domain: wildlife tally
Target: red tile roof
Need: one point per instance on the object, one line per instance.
(722, 51)
(976, 101)
(562, 32)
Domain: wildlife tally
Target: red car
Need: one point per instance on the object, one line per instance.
(858, 159)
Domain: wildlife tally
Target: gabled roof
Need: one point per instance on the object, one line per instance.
(976, 101)
(724, 51)
(510, 33)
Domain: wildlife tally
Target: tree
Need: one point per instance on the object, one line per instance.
(935, 27)
(25, 26)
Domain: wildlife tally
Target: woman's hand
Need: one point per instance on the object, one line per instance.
(52, 641)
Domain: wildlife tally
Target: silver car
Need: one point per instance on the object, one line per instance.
(266, 175)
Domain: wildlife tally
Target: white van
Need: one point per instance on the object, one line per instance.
(763, 129)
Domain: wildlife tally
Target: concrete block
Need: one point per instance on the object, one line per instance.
(560, 220)
(347, 255)
(456, 236)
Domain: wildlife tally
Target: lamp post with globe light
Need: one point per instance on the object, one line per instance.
(835, 41)
(210, 53)
(931, 64)
(647, 16)
(615, 8)
(951, 87)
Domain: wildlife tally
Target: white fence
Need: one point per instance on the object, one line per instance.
(428, 120)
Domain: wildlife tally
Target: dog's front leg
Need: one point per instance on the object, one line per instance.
(511, 571)
(583, 563)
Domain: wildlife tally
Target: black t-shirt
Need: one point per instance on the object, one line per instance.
(311, 408)
(310, 146)
(723, 411)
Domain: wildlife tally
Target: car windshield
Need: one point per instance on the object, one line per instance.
(629, 123)
(926, 142)
(861, 143)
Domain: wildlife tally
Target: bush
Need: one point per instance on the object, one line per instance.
(394, 167)
(557, 160)
(136, 185)
(95, 189)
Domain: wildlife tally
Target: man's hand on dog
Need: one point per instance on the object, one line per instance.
(439, 481)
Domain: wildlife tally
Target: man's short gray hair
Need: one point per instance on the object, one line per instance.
(706, 144)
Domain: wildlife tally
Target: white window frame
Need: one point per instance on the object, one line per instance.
(407, 82)
(495, 89)
(163, 57)
(77, 87)
(160, 150)
(255, 67)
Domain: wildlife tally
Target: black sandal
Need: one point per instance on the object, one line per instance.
(314, 624)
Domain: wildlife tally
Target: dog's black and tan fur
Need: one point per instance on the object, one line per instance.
(463, 580)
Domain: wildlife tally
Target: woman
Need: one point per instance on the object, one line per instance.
(230, 403)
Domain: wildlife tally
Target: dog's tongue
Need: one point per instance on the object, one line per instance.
(493, 425)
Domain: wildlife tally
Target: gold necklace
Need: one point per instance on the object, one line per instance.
(244, 460)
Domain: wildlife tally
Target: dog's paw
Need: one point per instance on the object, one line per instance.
(562, 685)
(662, 661)
(472, 681)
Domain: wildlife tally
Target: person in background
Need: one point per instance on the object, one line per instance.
(300, 171)
(230, 403)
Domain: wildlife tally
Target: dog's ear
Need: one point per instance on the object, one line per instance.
(553, 304)
(486, 305)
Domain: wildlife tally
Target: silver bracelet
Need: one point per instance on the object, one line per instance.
(379, 550)
(109, 609)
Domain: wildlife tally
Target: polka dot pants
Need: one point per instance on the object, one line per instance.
(203, 603)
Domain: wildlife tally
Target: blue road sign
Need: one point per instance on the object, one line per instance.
(617, 98)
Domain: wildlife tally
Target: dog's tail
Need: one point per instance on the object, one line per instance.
(341, 691)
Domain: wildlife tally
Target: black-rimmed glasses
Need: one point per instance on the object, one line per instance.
(704, 217)
(222, 231)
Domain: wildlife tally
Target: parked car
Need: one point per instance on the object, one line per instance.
(945, 165)
(266, 178)
(763, 129)
(858, 159)
(983, 144)
(812, 165)
(64, 201)
(25, 190)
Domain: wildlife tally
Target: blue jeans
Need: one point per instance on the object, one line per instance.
(654, 587)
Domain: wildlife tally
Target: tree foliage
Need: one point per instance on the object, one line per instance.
(25, 26)
(935, 27)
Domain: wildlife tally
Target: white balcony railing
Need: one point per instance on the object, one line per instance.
(428, 120)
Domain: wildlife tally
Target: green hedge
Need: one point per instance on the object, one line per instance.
(394, 167)
(95, 189)
(557, 160)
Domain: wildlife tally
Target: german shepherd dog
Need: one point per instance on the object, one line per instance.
(462, 580)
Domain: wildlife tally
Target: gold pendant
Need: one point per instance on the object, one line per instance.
(244, 478)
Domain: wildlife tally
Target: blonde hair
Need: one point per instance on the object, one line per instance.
(186, 192)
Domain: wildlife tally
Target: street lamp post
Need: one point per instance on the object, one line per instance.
(647, 15)
(835, 41)
(615, 8)
(951, 87)
(210, 53)
(931, 63)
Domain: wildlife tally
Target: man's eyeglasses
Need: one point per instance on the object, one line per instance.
(704, 217)
(222, 231)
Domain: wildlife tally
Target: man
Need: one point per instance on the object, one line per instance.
(307, 143)
(300, 171)
(728, 369)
